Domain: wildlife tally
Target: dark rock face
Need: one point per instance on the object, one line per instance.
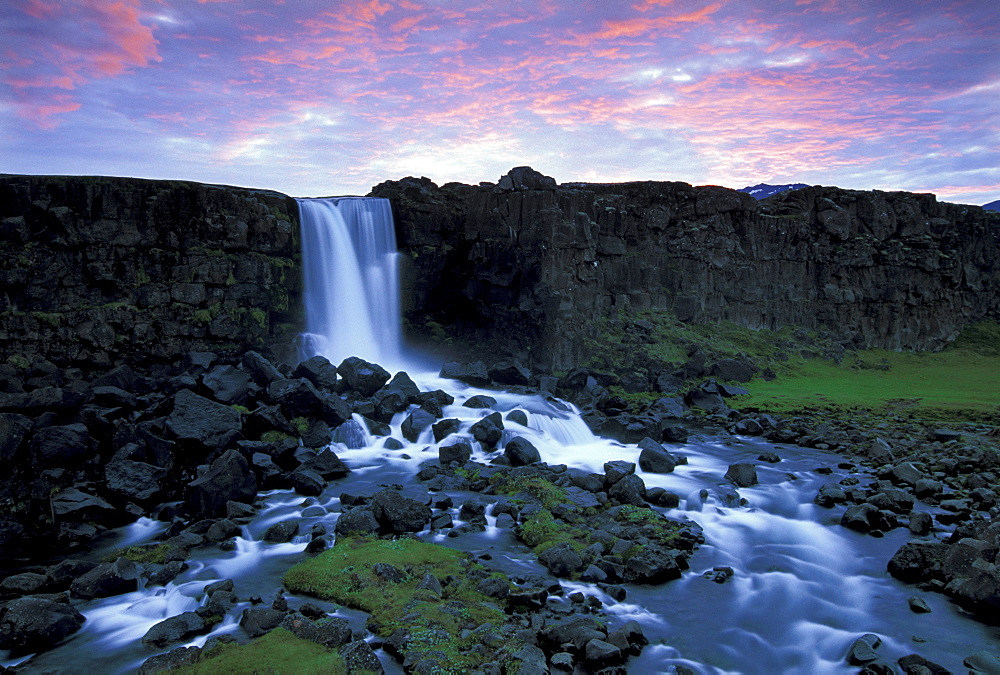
(196, 419)
(162, 267)
(531, 265)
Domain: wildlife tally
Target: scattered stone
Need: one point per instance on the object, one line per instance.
(653, 458)
(742, 474)
(917, 605)
(107, 579)
(257, 621)
(175, 629)
(863, 649)
(361, 376)
(521, 452)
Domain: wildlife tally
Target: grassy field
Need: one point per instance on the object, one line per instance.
(956, 384)
(960, 383)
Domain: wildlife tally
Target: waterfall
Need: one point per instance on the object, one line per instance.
(351, 282)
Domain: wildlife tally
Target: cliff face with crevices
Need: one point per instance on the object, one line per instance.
(528, 266)
(96, 270)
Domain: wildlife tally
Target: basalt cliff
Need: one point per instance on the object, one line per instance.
(101, 271)
(531, 266)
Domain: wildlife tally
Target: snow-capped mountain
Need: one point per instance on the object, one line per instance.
(992, 206)
(763, 190)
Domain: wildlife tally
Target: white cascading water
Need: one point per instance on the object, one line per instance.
(351, 282)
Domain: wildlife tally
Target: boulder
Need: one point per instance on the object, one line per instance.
(905, 473)
(357, 521)
(78, 506)
(862, 650)
(732, 370)
(561, 560)
(654, 458)
(917, 561)
(196, 419)
(415, 423)
(630, 489)
(361, 376)
(257, 621)
(457, 452)
(319, 371)
(14, 429)
(445, 428)
(227, 384)
(297, 398)
(136, 481)
(105, 580)
(261, 370)
(651, 565)
(281, 532)
(327, 464)
(509, 373)
(175, 629)
(65, 447)
(397, 514)
(742, 474)
(306, 482)
(330, 631)
(480, 401)
(229, 478)
(30, 625)
(488, 430)
(521, 452)
(360, 657)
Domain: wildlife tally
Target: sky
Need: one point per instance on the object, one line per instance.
(314, 98)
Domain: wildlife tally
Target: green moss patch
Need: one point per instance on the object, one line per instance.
(142, 554)
(346, 574)
(276, 652)
(524, 486)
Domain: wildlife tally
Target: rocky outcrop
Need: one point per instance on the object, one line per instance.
(530, 266)
(97, 270)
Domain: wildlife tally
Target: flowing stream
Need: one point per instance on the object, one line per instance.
(803, 588)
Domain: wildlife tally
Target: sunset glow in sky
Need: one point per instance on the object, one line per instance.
(319, 98)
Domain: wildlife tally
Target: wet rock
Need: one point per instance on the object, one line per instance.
(769, 457)
(674, 433)
(196, 419)
(257, 621)
(599, 653)
(561, 560)
(76, 505)
(471, 373)
(319, 371)
(905, 473)
(979, 593)
(14, 429)
(458, 452)
(630, 489)
(897, 501)
(25, 583)
(229, 478)
(914, 664)
(174, 659)
(175, 629)
(136, 481)
(221, 530)
(920, 523)
(331, 631)
(261, 370)
(653, 458)
(616, 470)
(327, 464)
(982, 662)
(862, 651)
(866, 518)
(35, 625)
(917, 561)
(107, 579)
(281, 532)
(357, 521)
(488, 430)
(306, 482)
(521, 452)
(397, 514)
(732, 370)
(829, 495)
(742, 474)
(445, 428)
(509, 373)
(67, 446)
(361, 376)
(651, 565)
(480, 401)
(227, 384)
(517, 417)
(918, 605)
(494, 587)
(415, 423)
(359, 657)
(575, 630)
(657, 496)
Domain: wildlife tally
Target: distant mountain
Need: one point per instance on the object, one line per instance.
(763, 190)
(992, 206)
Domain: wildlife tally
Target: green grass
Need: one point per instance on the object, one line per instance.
(956, 384)
(276, 652)
(155, 554)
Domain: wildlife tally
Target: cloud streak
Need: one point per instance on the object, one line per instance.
(321, 98)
